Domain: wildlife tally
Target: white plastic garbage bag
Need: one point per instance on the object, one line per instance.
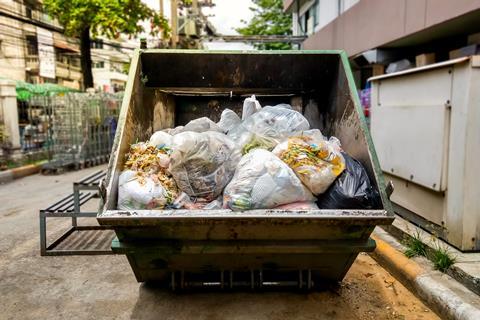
(263, 181)
(137, 191)
(161, 139)
(201, 125)
(173, 131)
(228, 120)
(203, 163)
(316, 161)
(268, 127)
(250, 106)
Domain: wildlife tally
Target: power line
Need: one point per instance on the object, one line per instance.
(23, 40)
(25, 19)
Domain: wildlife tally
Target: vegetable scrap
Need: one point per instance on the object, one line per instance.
(268, 158)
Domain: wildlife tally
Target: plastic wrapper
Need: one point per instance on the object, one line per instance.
(263, 181)
(250, 106)
(301, 205)
(228, 120)
(352, 189)
(268, 127)
(203, 163)
(317, 162)
(137, 191)
(201, 125)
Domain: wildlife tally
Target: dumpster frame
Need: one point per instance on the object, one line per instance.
(242, 235)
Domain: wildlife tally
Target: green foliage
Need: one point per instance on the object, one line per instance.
(269, 19)
(415, 246)
(441, 258)
(103, 17)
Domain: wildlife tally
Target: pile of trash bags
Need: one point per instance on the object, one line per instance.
(267, 158)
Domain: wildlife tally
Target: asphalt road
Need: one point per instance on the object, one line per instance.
(103, 287)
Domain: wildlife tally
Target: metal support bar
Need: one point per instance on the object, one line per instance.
(70, 207)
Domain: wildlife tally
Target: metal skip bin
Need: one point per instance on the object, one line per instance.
(253, 248)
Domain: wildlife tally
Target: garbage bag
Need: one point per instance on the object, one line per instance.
(184, 201)
(147, 158)
(316, 161)
(263, 181)
(201, 125)
(250, 106)
(173, 131)
(137, 190)
(203, 163)
(228, 120)
(268, 127)
(161, 139)
(301, 205)
(352, 189)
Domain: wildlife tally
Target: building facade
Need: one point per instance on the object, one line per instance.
(33, 47)
(375, 33)
(110, 63)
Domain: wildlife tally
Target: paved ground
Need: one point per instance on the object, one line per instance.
(103, 287)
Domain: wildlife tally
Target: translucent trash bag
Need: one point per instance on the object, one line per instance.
(268, 127)
(250, 106)
(203, 163)
(263, 181)
(137, 191)
(317, 162)
(228, 120)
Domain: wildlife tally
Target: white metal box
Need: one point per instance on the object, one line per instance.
(425, 124)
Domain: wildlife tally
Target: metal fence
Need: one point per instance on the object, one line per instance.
(70, 130)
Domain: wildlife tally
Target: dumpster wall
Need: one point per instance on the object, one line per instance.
(168, 88)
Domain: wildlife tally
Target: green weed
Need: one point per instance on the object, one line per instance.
(415, 246)
(441, 258)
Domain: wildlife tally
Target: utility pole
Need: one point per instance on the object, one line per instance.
(161, 7)
(174, 22)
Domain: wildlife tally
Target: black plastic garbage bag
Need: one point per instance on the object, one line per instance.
(351, 190)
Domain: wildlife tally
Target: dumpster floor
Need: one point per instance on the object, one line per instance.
(103, 287)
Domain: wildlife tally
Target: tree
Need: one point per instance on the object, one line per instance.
(110, 18)
(268, 19)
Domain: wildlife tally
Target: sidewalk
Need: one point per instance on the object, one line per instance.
(439, 291)
(20, 172)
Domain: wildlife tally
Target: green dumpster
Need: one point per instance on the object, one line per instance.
(257, 248)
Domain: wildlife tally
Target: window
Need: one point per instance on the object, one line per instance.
(28, 12)
(98, 64)
(96, 44)
(309, 20)
(32, 45)
(314, 13)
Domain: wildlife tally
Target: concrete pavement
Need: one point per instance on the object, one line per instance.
(103, 287)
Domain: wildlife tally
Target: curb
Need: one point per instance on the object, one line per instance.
(448, 298)
(20, 172)
(456, 271)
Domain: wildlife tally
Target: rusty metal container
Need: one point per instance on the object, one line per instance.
(256, 248)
